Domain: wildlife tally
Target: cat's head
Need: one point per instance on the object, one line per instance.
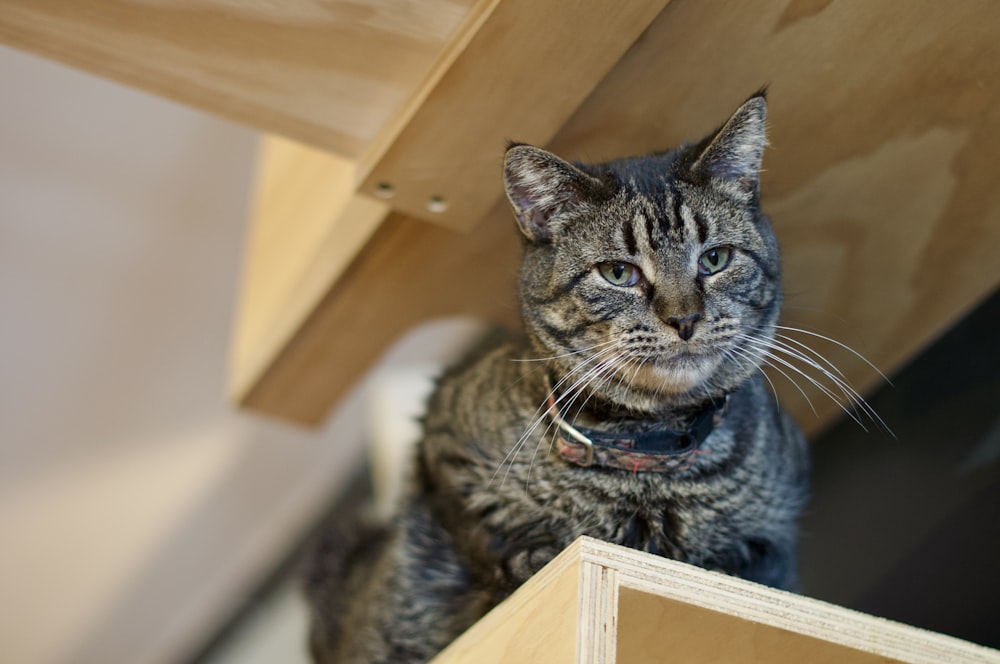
(644, 278)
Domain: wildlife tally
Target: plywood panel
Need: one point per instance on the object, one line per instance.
(880, 179)
(329, 73)
(307, 226)
(665, 611)
(535, 624)
(409, 272)
(671, 611)
(519, 75)
(658, 629)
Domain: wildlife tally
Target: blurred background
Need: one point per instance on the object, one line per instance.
(143, 519)
(137, 508)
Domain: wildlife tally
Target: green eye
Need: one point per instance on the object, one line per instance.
(620, 274)
(714, 260)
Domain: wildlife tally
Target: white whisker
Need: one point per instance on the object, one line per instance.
(739, 359)
(766, 347)
(595, 378)
(608, 350)
(840, 380)
(837, 343)
(764, 359)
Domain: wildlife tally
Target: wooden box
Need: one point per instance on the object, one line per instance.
(602, 603)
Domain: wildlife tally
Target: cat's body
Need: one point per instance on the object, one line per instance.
(646, 284)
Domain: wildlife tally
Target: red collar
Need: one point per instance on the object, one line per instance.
(656, 451)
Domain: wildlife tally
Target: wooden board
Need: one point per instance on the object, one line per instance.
(307, 226)
(511, 632)
(409, 272)
(879, 179)
(666, 611)
(470, 102)
(881, 175)
(421, 94)
(327, 72)
(519, 74)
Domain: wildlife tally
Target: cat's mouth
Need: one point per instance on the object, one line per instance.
(676, 373)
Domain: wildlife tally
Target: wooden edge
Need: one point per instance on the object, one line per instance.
(307, 227)
(535, 624)
(440, 155)
(328, 73)
(409, 272)
(597, 637)
(473, 21)
(795, 613)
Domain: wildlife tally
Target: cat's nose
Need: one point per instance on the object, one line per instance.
(685, 325)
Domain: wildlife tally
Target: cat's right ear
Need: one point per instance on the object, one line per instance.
(539, 187)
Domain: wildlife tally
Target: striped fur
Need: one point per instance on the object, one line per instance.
(490, 503)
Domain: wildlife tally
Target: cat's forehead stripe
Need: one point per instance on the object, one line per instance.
(651, 240)
(628, 236)
(675, 202)
(689, 219)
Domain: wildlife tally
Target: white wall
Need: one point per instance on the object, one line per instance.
(135, 505)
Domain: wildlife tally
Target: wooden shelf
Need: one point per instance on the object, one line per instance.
(880, 181)
(598, 603)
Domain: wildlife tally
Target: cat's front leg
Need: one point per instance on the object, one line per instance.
(428, 596)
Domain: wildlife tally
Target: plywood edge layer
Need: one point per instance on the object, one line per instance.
(307, 226)
(795, 613)
(597, 636)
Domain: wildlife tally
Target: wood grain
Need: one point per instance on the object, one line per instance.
(879, 181)
(535, 624)
(694, 615)
(326, 72)
(884, 127)
(598, 622)
(522, 69)
(408, 273)
(307, 226)
(665, 611)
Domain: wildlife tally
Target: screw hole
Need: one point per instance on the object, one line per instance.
(437, 204)
(385, 190)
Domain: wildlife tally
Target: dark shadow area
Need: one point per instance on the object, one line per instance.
(908, 528)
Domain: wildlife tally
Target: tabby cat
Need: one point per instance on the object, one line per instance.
(633, 410)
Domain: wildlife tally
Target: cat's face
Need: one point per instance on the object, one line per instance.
(648, 280)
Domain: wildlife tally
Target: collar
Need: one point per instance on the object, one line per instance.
(656, 451)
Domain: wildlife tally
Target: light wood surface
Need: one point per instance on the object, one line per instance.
(880, 178)
(879, 181)
(327, 72)
(408, 273)
(538, 623)
(307, 226)
(524, 68)
(665, 611)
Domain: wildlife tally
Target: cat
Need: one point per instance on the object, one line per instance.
(632, 410)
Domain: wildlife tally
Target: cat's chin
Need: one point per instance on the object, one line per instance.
(674, 376)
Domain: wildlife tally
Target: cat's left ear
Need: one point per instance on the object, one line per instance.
(541, 187)
(733, 155)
